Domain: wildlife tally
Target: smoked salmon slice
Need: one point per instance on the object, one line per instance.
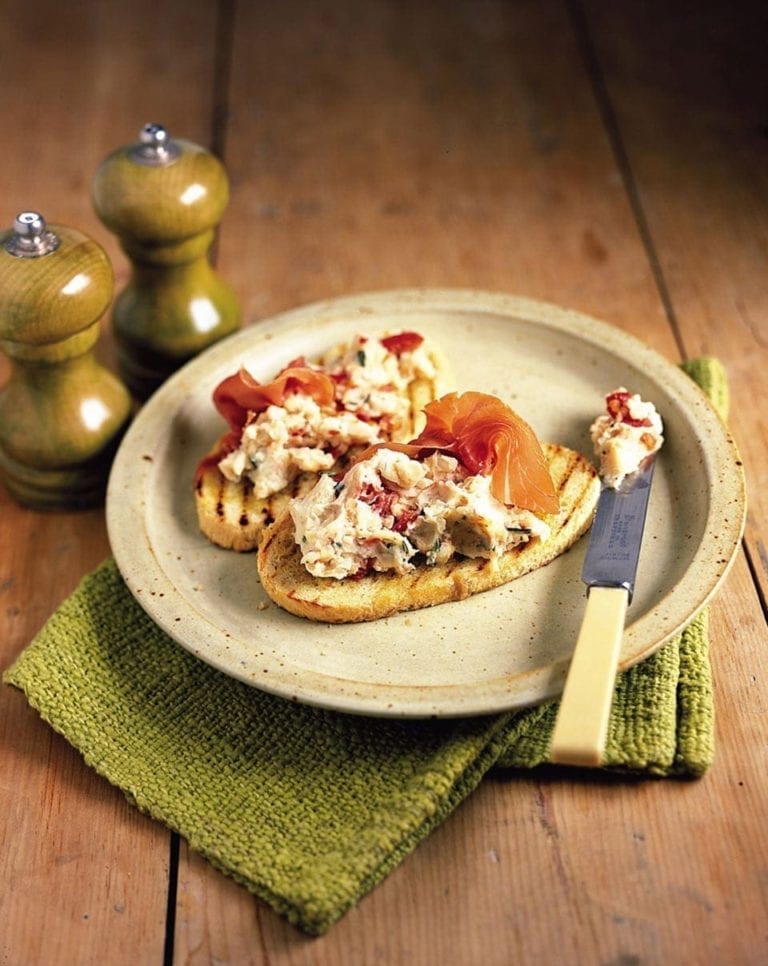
(240, 394)
(489, 439)
(239, 397)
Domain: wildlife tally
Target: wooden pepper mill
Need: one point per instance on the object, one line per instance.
(163, 199)
(61, 412)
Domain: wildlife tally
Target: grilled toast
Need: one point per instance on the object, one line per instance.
(377, 595)
(232, 516)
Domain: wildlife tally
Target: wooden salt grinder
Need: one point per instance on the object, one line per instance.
(61, 413)
(163, 199)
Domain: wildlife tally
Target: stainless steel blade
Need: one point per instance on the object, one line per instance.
(617, 531)
(610, 567)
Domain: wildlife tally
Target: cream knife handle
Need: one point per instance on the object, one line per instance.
(582, 720)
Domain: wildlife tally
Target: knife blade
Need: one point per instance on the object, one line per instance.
(609, 572)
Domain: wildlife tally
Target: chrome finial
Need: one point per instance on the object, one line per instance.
(155, 146)
(31, 238)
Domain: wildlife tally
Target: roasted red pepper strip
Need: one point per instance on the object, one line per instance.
(402, 342)
(617, 407)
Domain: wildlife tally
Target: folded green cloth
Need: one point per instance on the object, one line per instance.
(310, 809)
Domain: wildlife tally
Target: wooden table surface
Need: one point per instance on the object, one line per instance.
(611, 158)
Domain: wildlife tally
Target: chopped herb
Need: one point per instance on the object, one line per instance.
(431, 554)
(361, 357)
(338, 488)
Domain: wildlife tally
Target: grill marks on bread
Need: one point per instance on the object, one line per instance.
(232, 517)
(378, 595)
(570, 483)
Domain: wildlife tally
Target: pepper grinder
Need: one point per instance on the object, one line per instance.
(61, 412)
(163, 198)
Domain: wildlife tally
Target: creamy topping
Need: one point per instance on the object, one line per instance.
(373, 381)
(390, 508)
(628, 432)
(284, 441)
(371, 404)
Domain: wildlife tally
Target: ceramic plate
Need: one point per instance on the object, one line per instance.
(503, 649)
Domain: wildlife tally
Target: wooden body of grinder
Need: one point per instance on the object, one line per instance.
(62, 413)
(163, 197)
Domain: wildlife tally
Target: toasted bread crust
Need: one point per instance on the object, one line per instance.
(289, 584)
(232, 518)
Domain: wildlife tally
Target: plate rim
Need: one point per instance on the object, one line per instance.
(588, 328)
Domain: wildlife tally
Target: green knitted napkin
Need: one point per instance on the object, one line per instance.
(310, 809)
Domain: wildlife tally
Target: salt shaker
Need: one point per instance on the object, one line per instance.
(62, 413)
(163, 197)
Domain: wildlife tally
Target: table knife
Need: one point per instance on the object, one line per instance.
(609, 571)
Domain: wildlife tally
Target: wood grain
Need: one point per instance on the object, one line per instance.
(479, 160)
(385, 145)
(606, 157)
(691, 113)
(85, 877)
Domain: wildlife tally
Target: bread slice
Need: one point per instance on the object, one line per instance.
(289, 584)
(233, 518)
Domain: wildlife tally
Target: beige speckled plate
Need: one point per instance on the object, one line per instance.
(503, 649)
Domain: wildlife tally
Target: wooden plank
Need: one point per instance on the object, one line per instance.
(551, 867)
(80, 863)
(379, 145)
(100, 72)
(688, 92)
(82, 82)
(85, 876)
(375, 146)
